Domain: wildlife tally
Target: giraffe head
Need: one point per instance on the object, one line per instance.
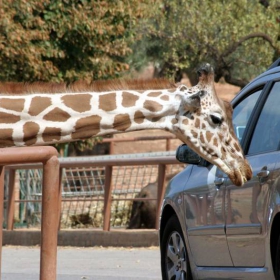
(204, 122)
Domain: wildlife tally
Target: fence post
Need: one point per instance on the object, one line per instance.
(60, 188)
(107, 197)
(2, 175)
(11, 200)
(50, 198)
(160, 194)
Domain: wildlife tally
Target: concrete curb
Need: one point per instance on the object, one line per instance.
(86, 238)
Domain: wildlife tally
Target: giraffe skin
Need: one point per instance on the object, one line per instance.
(195, 115)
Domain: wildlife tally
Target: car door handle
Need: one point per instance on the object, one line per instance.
(263, 174)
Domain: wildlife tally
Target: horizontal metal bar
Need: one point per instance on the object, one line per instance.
(86, 162)
(85, 199)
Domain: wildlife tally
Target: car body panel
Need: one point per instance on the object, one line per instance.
(206, 219)
(248, 208)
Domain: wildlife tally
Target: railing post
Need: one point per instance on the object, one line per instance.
(11, 200)
(49, 224)
(107, 197)
(160, 194)
(2, 174)
(60, 188)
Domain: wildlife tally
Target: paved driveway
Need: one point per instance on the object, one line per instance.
(84, 263)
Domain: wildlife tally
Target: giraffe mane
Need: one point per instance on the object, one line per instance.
(82, 86)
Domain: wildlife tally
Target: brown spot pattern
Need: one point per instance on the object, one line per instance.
(172, 90)
(174, 121)
(237, 148)
(8, 118)
(30, 131)
(211, 151)
(224, 153)
(139, 117)
(51, 134)
(122, 122)
(152, 106)
(215, 142)
(197, 123)
(79, 103)
(185, 121)
(154, 94)
(6, 137)
(107, 102)
(209, 136)
(155, 119)
(129, 99)
(87, 127)
(194, 133)
(57, 115)
(38, 105)
(202, 140)
(165, 97)
(12, 104)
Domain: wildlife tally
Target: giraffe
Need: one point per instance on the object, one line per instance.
(40, 114)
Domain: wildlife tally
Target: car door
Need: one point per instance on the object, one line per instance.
(205, 217)
(246, 206)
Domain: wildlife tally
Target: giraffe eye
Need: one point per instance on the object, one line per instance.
(217, 119)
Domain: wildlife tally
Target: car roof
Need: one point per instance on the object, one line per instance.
(272, 73)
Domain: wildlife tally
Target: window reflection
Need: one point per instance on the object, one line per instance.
(242, 113)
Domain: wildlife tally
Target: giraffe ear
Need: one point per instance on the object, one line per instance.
(192, 101)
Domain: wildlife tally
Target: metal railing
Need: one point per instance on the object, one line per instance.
(50, 198)
(108, 163)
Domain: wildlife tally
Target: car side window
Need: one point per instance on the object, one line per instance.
(242, 113)
(266, 136)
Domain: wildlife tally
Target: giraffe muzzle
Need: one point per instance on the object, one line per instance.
(242, 174)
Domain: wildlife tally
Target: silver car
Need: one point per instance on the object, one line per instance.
(212, 229)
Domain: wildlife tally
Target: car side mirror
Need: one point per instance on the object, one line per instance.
(185, 154)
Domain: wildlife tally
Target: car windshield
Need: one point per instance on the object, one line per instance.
(242, 113)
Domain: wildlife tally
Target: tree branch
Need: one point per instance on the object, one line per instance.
(236, 82)
(237, 44)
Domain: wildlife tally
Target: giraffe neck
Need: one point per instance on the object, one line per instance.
(37, 119)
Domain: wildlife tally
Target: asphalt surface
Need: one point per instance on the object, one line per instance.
(84, 263)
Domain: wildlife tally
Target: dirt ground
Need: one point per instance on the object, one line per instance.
(224, 91)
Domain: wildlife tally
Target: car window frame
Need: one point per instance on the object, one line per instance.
(252, 121)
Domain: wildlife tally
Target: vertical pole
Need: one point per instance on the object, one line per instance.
(60, 188)
(107, 197)
(2, 174)
(49, 224)
(160, 194)
(11, 200)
